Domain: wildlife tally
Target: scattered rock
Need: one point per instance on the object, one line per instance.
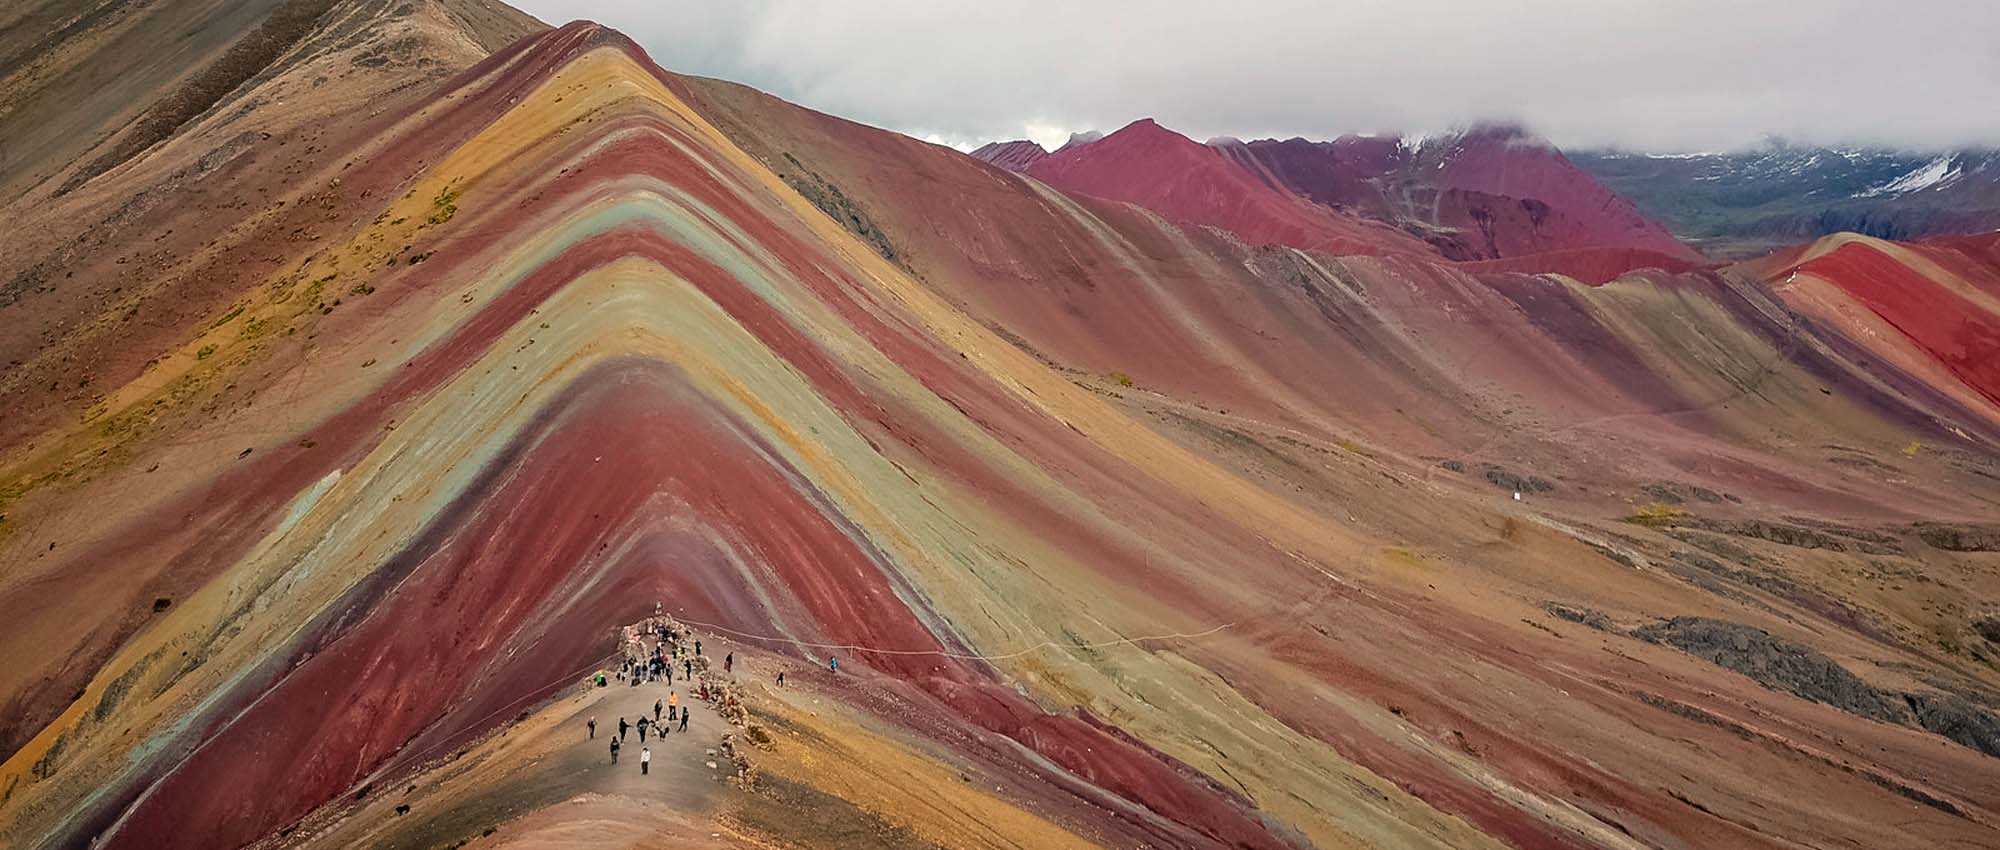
(1582, 616)
(1499, 477)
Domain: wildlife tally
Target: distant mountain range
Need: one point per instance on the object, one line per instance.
(1496, 192)
(1747, 202)
(1491, 192)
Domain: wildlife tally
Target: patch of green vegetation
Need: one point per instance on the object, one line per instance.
(1121, 379)
(225, 318)
(256, 327)
(205, 352)
(1656, 515)
(1405, 557)
(361, 289)
(444, 206)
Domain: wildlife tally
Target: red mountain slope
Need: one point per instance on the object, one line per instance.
(1943, 296)
(1490, 193)
(1564, 207)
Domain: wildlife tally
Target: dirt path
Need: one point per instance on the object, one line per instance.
(679, 777)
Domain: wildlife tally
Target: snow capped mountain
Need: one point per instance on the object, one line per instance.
(1746, 202)
(1935, 173)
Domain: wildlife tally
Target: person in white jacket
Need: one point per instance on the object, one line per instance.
(645, 759)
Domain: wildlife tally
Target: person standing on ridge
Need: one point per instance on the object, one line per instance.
(728, 662)
(642, 728)
(684, 718)
(697, 646)
(593, 727)
(622, 726)
(833, 664)
(673, 703)
(614, 750)
(656, 711)
(687, 668)
(781, 678)
(645, 759)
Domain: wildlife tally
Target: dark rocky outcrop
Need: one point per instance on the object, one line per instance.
(1959, 538)
(1782, 665)
(1775, 663)
(1775, 532)
(1958, 719)
(1676, 493)
(1988, 627)
(1500, 477)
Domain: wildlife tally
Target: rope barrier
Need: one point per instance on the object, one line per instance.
(1047, 644)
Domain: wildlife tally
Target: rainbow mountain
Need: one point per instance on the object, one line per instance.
(1123, 532)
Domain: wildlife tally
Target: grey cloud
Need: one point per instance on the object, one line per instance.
(1679, 75)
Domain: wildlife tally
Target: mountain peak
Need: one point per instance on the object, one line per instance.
(1014, 155)
(1079, 139)
(1144, 127)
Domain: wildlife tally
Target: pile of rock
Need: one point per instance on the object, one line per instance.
(727, 754)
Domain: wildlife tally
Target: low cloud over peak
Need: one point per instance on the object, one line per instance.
(1691, 75)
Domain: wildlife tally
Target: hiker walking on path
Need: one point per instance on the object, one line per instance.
(645, 760)
(684, 718)
(728, 662)
(656, 711)
(622, 726)
(642, 728)
(687, 667)
(673, 703)
(833, 664)
(614, 750)
(593, 727)
(697, 647)
(781, 678)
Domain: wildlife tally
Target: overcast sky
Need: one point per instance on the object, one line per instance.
(1673, 75)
